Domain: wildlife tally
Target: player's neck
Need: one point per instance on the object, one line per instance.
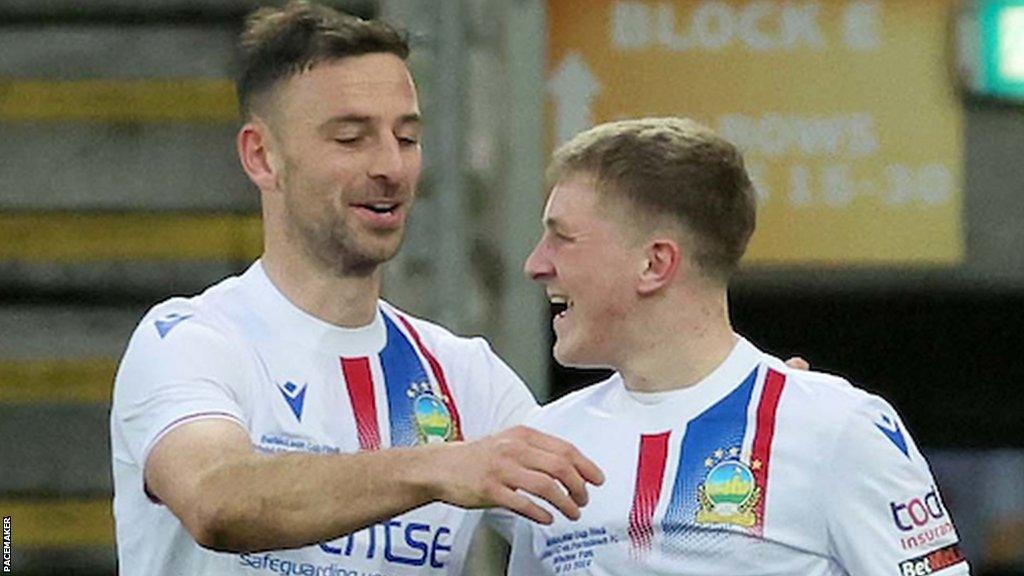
(681, 346)
(347, 301)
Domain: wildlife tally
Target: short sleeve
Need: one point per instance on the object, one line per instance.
(885, 513)
(510, 400)
(176, 369)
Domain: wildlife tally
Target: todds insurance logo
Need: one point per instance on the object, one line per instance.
(917, 512)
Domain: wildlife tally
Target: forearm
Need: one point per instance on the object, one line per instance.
(231, 498)
(263, 502)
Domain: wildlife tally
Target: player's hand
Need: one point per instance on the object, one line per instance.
(798, 363)
(491, 471)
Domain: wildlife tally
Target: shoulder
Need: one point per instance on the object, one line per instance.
(180, 318)
(593, 395)
(817, 395)
(437, 339)
(822, 389)
(187, 325)
(831, 410)
(180, 347)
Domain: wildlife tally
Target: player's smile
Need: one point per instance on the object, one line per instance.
(385, 215)
(560, 304)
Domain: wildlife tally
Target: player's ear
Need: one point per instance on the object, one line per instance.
(661, 263)
(256, 152)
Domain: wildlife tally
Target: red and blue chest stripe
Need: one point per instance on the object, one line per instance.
(405, 377)
(708, 438)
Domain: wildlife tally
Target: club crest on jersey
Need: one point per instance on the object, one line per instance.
(433, 420)
(729, 492)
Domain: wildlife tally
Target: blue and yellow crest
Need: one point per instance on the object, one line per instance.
(433, 421)
(729, 492)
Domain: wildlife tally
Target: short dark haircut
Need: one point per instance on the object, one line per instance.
(671, 167)
(279, 42)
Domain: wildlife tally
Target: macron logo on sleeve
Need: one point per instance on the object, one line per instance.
(891, 429)
(294, 396)
(167, 323)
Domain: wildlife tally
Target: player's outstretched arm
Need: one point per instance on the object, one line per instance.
(231, 498)
(491, 472)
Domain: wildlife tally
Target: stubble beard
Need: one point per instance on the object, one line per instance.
(334, 246)
(331, 243)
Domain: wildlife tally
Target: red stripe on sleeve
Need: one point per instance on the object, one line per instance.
(435, 367)
(359, 382)
(650, 470)
(762, 450)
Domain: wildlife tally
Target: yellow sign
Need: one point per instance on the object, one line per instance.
(845, 111)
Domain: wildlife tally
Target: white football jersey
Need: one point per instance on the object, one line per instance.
(759, 469)
(243, 352)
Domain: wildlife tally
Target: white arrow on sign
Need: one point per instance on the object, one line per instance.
(573, 87)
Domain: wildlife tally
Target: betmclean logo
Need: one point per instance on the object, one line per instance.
(932, 562)
(917, 512)
(294, 396)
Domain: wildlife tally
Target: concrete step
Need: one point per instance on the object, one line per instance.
(54, 450)
(67, 237)
(135, 283)
(59, 523)
(62, 332)
(61, 536)
(143, 51)
(128, 258)
(136, 101)
(56, 381)
(57, 365)
(128, 167)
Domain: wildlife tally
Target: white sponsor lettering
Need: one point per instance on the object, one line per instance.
(916, 568)
(714, 25)
(573, 87)
(773, 135)
(862, 26)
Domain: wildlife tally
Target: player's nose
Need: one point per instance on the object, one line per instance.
(538, 266)
(387, 162)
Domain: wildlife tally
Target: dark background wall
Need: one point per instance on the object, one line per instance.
(950, 362)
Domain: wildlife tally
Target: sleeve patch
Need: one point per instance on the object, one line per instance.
(167, 323)
(891, 428)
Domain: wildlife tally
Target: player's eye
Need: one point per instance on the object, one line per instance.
(562, 237)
